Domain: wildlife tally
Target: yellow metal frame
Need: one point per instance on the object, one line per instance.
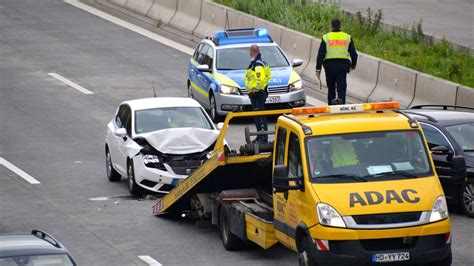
(217, 159)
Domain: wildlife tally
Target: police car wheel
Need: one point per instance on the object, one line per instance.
(133, 188)
(112, 175)
(467, 199)
(213, 109)
(190, 91)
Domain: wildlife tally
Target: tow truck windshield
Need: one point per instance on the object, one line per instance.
(368, 156)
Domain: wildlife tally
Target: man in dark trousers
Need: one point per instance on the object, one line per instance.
(338, 55)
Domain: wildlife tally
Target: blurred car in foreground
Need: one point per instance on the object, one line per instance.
(38, 248)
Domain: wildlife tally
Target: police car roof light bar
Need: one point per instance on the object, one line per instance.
(348, 108)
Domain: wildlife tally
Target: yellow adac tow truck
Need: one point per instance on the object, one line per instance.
(341, 185)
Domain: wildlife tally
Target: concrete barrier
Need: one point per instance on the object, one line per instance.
(309, 70)
(139, 6)
(296, 45)
(431, 90)
(395, 83)
(362, 81)
(465, 97)
(213, 18)
(163, 10)
(273, 29)
(187, 15)
(239, 20)
(121, 3)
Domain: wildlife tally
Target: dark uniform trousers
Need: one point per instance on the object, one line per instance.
(336, 78)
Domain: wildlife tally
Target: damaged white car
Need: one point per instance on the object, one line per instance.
(157, 142)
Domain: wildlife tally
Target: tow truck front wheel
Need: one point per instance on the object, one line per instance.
(305, 257)
(229, 240)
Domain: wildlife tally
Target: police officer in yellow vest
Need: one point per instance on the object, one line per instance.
(257, 76)
(338, 55)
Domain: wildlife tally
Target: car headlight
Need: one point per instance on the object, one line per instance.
(297, 85)
(327, 215)
(150, 158)
(225, 89)
(440, 210)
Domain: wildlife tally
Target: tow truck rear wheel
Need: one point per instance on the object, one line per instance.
(133, 188)
(305, 257)
(229, 240)
(112, 175)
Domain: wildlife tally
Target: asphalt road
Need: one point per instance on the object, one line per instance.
(56, 134)
(452, 19)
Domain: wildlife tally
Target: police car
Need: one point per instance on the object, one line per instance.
(217, 69)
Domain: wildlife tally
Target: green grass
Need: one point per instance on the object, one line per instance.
(404, 47)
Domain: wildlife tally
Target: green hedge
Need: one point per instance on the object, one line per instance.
(404, 47)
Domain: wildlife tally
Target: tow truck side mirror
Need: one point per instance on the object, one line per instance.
(281, 181)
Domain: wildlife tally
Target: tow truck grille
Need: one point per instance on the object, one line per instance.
(387, 218)
(273, 90)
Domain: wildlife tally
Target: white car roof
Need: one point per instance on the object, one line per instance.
(161, 102)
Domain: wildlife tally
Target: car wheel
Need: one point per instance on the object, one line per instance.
(213, 109)
(112, 175)
(133, 188)
(305, 258)
(467, 199)
(190, 91)
(229, 240)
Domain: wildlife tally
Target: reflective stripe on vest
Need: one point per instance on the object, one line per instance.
(337, 45)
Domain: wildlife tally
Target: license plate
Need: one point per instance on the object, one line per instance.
(273, 99)
(391, 257)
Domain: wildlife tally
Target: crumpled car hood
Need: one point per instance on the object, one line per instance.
(181, 140)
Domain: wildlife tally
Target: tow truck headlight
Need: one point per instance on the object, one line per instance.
(225, 89)
(297, 85)
(440, 210)
(150, 158)
(327, 215)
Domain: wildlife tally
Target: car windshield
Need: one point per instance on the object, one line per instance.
(238, 58)
(170, 117)
(368, 156)
(463, 134)
(43, 260)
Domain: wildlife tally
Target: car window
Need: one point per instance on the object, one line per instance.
(33, 260)
(127, 120)
(294, 157)
(119, 118)
(463, 134)
(209, 57)
(434, 137)
(202, 54)
(170, 117)
(280, 148)
(196, 53)
(239, 58)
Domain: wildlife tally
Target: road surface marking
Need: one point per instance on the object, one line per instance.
(152, 35)
(70, 83)
(151, 261)
(131, 27)
(19, 172)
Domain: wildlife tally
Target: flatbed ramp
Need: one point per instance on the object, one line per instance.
(221, 171)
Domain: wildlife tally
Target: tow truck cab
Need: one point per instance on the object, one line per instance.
(347, 184)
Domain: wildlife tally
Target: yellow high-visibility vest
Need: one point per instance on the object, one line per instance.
(257, 78)
(337, 45)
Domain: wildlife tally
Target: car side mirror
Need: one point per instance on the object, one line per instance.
(121, 132)
(297, 62)
(440, 150)
(281, 181)
(458, 166)
(220, 125)
(203, 68)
